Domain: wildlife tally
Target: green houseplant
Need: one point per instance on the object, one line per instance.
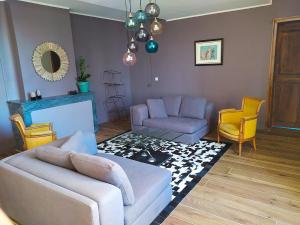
(82, 78)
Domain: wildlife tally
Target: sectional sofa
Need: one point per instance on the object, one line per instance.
(188, 115)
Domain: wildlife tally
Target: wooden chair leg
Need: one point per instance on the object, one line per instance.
(254, 143)
(218, 136)
(240, 148)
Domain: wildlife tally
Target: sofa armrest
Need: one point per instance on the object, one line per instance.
(209, 113)
(105, 203)
(22, 195)
(138, 114)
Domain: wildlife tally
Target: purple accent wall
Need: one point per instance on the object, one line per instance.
(102, 43)
(247, 41)
(34, 24)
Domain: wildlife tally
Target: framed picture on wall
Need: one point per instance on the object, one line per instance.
(209, 52)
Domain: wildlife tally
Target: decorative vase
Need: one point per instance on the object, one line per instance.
(84, 86)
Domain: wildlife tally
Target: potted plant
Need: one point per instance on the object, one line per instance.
(82, 78)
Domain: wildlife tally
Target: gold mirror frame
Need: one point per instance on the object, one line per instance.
(38, 66)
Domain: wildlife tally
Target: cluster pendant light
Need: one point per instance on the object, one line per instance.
(135, 25)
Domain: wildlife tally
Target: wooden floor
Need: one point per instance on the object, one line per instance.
(259, 188)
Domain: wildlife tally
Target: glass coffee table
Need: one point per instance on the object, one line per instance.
(164, 134)
(148, 138)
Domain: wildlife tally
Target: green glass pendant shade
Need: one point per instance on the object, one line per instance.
(140, 16)
(130, 22)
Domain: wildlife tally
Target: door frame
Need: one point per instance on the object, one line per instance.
(276, 21)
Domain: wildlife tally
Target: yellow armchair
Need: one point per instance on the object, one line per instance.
(35, 135)
(240, 125)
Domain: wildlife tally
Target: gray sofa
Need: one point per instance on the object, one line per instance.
(38, 193)
(188, 115)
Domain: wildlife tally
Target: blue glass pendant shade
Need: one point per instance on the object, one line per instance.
(151, 46)
(140, 16)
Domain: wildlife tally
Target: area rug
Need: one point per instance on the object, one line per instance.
(188, 163)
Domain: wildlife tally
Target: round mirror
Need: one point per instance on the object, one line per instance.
(51, 61)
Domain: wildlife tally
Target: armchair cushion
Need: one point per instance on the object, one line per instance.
(193, 107)
(82, 143)
(172, 104)
(230, 128)
(104, 170)
(55, 156)
(156, 108)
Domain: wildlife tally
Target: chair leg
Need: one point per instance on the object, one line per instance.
(218, 136)
(254, 143)
(240, 148)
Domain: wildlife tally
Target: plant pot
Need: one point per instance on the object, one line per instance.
(84, 86)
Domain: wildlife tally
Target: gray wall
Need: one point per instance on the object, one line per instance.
(102, 43)
(34, 24)
(247, 37)
(10, 82)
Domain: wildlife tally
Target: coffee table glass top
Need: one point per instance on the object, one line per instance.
(164, 134)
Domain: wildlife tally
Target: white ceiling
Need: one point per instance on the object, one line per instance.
(170, 9)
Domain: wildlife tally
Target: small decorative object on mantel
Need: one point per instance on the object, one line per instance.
(82, 78)
(73, 92)
(209, 52)
(136, 29)
(32, 96)
(38, 94)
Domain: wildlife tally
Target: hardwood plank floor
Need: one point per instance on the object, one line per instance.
(259, 188)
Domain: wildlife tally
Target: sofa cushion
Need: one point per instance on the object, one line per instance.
(156, 108)
(193, 107)
(82, 143)
(178, 124)
(55, 156)
(104, 170)
(148, 182)
(172, 104)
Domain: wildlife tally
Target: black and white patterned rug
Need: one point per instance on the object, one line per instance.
(188, 163)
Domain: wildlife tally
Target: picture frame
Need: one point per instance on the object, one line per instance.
(209, 52)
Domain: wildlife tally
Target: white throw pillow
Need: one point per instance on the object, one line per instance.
(82, 143)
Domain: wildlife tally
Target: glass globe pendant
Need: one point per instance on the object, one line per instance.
(142, 34)
(132, 46)
(141, 16)
(129, 58)
(152, 10)
(156, 27)
(130, 22)
(151, 46)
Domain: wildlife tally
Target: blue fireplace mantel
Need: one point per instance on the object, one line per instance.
(25, 108)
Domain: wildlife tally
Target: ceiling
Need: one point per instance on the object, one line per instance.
(170, 9)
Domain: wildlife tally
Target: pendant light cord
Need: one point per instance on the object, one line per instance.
(126, 17)
(141, 4)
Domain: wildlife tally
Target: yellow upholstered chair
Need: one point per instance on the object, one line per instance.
(240, 125)
(35, 135)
